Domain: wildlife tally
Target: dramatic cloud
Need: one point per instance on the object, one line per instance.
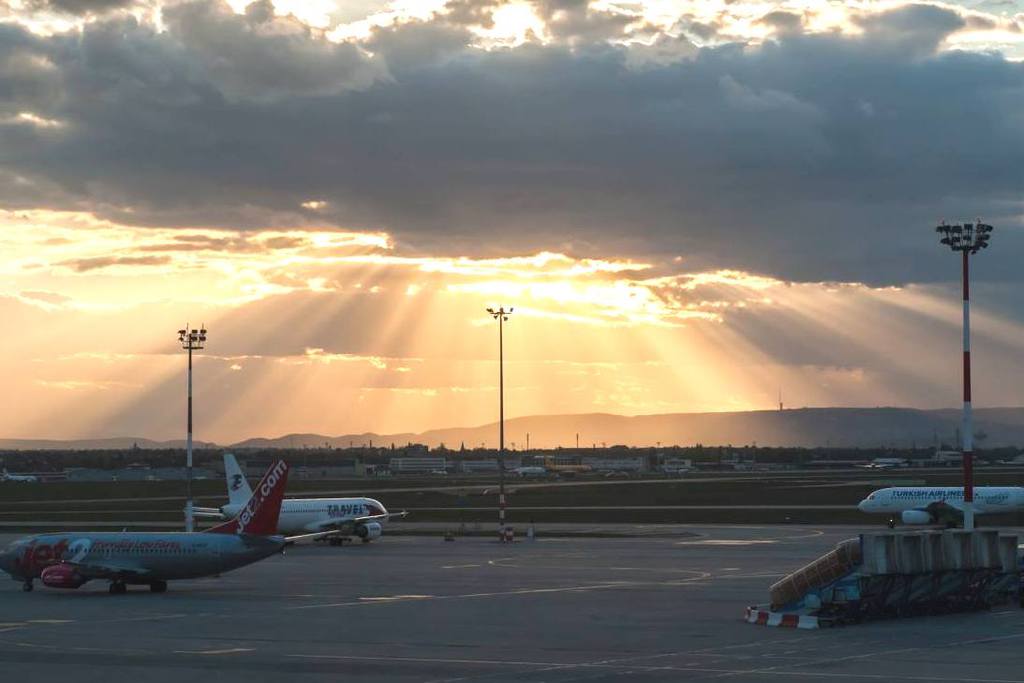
(689, 203)
(844, 147)
(260, 56)
(80, 7)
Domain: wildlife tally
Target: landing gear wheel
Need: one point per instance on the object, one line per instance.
(367, 540)
(891, 523)
(118, 588)
(27, 586)
(336, 540)
(158, 586)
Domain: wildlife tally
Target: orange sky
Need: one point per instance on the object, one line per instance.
(691, 205)
(335, 332)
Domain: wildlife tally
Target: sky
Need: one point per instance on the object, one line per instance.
(691, 205)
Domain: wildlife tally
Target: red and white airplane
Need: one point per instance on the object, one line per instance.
(71, 559)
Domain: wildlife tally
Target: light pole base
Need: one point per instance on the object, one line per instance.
(189, 517)
(968, 519)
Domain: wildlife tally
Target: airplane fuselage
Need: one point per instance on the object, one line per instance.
(151, 556)
(300, 515)
(987, 499)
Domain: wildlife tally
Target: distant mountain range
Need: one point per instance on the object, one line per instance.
(113, 443)
(804, 427)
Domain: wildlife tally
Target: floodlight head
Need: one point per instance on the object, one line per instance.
(969, 238)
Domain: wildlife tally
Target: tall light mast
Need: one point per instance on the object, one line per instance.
(191, 340)
(501, 315)
(968, 239)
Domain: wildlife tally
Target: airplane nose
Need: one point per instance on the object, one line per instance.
(863, 505)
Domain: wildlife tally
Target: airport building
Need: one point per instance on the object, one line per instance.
(597, 464)
(138, 474)
(487, 465)
(417, 465)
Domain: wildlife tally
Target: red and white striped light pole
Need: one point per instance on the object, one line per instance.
(968, 239)
(191, 340)
(501, 315)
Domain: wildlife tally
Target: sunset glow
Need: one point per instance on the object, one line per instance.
(685, 205)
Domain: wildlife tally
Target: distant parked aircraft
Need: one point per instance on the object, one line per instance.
(886, 463)
(71, 559)
(6, 476)
(942, 504)
(360, 517)
(530, 471)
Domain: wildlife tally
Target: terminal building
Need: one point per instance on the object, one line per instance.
(417, 465)
(136, 473)
(597, 464)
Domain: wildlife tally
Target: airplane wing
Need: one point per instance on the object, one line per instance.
(292, 540)
(943, 511)
(347, 524)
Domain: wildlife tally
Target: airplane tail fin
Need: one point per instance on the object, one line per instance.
(259, 516)
(238, 486)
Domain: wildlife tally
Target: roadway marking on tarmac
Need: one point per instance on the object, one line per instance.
(778, 670)
(51, 621)
(729, 541)
(752, 576)
(811, 533)
(525, 591)
(564, 567)
(393, 598)
(460, 566)
(620, 662)
(699, 576)
(424, 660)
(227, 651)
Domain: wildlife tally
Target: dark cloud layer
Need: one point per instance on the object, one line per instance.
(823, 157)
(80, 7)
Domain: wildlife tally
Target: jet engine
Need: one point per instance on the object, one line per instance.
(62, 576)
(916, 517)
(369, 531)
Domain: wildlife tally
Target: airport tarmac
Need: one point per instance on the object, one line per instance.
(657, 607)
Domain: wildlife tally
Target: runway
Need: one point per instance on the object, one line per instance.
(657, 607)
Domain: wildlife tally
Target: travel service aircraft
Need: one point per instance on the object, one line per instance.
(6, 476)
(70, 559)
(943, 504)
(361, 517)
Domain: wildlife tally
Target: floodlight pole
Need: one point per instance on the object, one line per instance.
(191, 340)
(968, 239)
(968, 431)
(501, 315)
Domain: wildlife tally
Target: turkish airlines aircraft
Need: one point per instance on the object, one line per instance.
(944, 504)
(70, 559)
(6, 476)
(362, 517)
